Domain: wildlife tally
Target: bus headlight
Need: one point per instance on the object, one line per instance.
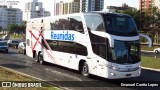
(113, 67)
(113, 74)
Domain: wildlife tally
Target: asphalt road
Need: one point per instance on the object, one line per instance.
(51, 72)
(149, 54)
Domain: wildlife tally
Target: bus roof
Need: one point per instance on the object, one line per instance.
(93, 12)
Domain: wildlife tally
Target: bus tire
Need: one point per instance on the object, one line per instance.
(24, 52)
(36, 58)
(84, 69)
(41, 61)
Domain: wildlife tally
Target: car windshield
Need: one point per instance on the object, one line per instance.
(3, 43)
(120, 25)
(126, 52)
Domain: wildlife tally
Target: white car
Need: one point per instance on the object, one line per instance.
(157, 50)
(22, 47)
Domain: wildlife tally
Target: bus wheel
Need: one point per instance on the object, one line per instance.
(36, 58)
(41, 61)
(85, 69)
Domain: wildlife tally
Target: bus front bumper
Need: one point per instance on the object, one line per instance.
(113, 74)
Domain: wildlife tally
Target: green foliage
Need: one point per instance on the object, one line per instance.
(147, 22)
(14, 28)
(150, 62)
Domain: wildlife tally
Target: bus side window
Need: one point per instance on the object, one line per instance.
(76, 24)
(94, 22)
(81, 50)
(101, 50)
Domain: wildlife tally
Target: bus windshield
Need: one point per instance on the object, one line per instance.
(120, 25)
(126, 52)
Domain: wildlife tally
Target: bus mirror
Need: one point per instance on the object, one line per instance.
(148, 38)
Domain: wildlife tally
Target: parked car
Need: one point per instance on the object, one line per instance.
(6, 37)
(13, 43)
(1, 39)
(157, 50)
(22, 47)
(4, 46)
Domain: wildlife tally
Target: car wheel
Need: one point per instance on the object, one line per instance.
(156, 52)
(6, 51)
(85, 69)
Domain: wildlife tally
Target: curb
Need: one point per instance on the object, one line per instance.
(158, 70)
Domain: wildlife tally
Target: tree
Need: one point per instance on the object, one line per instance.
(13, 28)
(0, 28)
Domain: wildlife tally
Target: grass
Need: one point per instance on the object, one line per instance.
(150, 62)
(20, 36)
(7, 75)
(145, 47)
(17, 36)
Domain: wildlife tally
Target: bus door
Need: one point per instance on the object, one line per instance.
(98, 63)
(94, 65)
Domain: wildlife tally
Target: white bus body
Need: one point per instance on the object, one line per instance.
(102, 44)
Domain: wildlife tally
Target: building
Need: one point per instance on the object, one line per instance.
(10, 16)
(67, 7)
(59, 8)
(145, 5)
(157, 3)
(34, 9)
(73, 7)
(121, 8)
(91, 5)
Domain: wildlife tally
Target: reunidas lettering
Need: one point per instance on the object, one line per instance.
(62, 36)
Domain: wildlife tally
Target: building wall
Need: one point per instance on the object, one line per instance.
(73, 7)
(91, 5)
(10, 16)
(145, 5)
(67, 7)
(157, 3)
(34, 9)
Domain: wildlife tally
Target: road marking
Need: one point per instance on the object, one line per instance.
(63, 74)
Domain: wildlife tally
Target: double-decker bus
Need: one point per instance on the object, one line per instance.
(98, 43)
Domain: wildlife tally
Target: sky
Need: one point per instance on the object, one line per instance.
(48, 4)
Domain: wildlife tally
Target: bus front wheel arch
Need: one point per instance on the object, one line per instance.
(83, 68)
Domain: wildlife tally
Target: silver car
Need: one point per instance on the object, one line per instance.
(22, 47)
(4, 46)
